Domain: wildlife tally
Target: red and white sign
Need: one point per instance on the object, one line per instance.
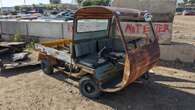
(140, 29)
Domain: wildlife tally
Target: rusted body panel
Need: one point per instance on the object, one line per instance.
(59, 42)
(141, 61)
(108, 12)
(47, 50)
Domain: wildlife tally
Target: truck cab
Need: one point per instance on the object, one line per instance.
(99, 53)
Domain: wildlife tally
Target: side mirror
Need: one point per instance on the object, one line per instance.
(148, 17)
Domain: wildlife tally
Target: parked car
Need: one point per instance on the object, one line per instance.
(64, 15)
(179, 11)
(189, 12)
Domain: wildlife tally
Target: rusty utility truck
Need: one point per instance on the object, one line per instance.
(104, 59)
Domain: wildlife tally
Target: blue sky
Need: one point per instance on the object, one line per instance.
(180, 0)
(21, 2)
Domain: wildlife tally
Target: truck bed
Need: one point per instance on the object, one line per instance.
(58, 49)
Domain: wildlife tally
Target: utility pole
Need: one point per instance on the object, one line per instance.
(24, 2)
(74, 2)
(1, 6)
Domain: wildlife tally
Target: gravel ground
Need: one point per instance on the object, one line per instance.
(30, 89)
(184, 29)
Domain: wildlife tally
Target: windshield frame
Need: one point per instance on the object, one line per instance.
(121, 33)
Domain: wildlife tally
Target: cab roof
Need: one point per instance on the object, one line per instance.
(105, 12)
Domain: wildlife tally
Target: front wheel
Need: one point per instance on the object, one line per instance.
(89, 87)
(46, 67)
(146, 76)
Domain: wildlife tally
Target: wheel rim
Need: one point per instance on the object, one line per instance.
(89, 88)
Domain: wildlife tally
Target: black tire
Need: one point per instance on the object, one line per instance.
(1, 70)
(46, 67)
(89, 87)
(1, 66)
(146, 76)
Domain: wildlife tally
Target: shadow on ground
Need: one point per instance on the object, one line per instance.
(151, 96)
(178, 65)
(148, 95)
(16, 71)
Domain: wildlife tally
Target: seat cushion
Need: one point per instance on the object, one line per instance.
(85, 48)
(92, 61)
(82, 49)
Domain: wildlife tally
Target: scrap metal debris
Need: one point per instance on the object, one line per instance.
(13, 55)
(19, 56)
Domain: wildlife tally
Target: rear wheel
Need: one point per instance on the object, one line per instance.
(46, 67)
(1, 66)
(146, 76)
(89, 87)
(1, 69)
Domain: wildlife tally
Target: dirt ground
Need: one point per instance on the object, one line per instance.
(171, 87)
(184, 29)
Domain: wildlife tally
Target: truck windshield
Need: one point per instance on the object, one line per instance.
(91, 25)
